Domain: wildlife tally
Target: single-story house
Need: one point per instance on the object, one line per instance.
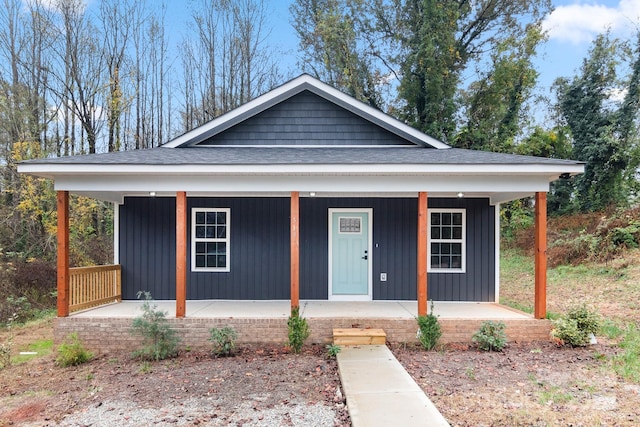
(306, 193)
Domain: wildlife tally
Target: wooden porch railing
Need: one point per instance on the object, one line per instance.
(93, 286)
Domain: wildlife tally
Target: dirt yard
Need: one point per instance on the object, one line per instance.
(527, 385)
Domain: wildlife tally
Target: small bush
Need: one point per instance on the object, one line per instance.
(333, 350)
(72, 353)
(429, 331)
(298, 330)
(224, 340)
(491, 336)
(574, 327)
(160, 340)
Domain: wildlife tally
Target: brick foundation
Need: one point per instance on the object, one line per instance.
(108, 334)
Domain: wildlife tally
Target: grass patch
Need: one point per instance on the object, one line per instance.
(40, 347)
(627, 363)
(527, 308)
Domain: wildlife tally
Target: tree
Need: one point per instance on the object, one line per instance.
(438, 40)
(601, 130)
(228, 63)
(331, 51)
(494, 104)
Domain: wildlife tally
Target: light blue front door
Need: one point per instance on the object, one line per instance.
(350, 256)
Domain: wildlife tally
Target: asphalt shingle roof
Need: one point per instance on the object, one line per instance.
(301, 155)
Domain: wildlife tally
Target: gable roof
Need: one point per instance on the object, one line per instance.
(294, 87)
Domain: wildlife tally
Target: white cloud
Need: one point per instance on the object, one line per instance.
(581, 22)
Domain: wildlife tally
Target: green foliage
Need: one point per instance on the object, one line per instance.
(298, 330)
(72, 352)
(160, 340)
(491, 336)
(224, 340)
(627, 363)
(429, 331)
(602, 131)
(575, 326)
(333, 350)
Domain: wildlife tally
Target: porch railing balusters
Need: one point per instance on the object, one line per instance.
(94, 286)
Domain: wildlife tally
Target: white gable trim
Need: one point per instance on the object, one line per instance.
(293, 87)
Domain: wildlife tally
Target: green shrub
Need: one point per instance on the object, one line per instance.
(224, 340)
(72, 353)
(160, 340)
(298, 330)
(491, 336)
(429, 331)
(333, 350)
(574, 327)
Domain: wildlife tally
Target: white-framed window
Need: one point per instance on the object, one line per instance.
(210, 230)
(447, 240)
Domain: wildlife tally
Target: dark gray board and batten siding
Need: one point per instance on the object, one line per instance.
(260, 252)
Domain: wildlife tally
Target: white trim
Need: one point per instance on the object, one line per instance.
(463, 241)
(51, 170)
(116, 233)
(497, 253)
(369, 296)
(195, 240)
(287, 90)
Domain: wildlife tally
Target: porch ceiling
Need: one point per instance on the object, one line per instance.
(310, 309)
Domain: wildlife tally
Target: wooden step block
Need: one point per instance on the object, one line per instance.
(359, 336)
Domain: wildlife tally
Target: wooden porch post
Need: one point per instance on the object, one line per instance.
(422, 253)
(540, 305)
(181, 253)
(63, 253)
(295, 250)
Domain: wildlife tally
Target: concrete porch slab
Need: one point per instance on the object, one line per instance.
(281, 309)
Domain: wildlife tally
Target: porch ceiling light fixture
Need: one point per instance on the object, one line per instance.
(312, 194)
(152, 193)
(460, 195)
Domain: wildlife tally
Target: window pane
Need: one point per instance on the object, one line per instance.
(222, 248)
(221, 231)
(456, 262)
(446, 233)
(222, 260)
(446, 218)
(211, 261)
(199, 217)
(456, 248)
(457, 218)
(435, 219)
(200, 261)
(211, 232)
(445, 248)
(435, 261)
(212, 248)
(200, 231)
(211, 218)
(457, 232)
(435, 248)
(200, 247)
(222, 218)
(435, 232)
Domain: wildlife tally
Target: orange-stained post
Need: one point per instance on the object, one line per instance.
(295, 250)
(181, 253)
(422, 253)
(63, 253)
(540, 304)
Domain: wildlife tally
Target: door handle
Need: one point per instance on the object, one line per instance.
(366, 256)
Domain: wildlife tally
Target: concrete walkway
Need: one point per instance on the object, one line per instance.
(380, 392)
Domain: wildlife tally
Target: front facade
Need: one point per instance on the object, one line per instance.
(306, 193)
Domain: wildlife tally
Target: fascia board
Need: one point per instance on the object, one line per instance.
(291, 88)
(53, 170)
